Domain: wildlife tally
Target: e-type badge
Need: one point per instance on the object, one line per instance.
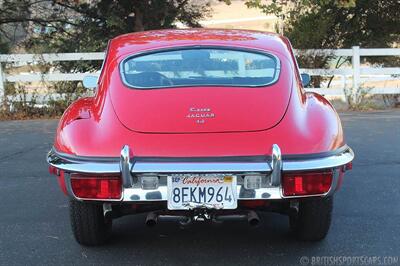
(200, 115)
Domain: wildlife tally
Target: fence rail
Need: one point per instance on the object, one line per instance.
(356, 74)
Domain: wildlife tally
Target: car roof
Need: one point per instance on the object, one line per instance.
(132, 43)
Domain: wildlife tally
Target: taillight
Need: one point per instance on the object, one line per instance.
(348, 166)
(96, 187)
(53, 170)
(61, 182)
(311, 183)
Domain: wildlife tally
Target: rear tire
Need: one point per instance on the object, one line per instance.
(313, 219)
(88, 223)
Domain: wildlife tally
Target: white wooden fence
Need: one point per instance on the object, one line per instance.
(360, 77)
(357, 75)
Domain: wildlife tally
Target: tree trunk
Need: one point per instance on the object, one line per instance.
(138, 20)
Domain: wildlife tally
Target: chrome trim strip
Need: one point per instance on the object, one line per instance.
(335, 182)
(276, 165)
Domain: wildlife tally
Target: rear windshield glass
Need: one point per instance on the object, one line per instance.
(200, 67)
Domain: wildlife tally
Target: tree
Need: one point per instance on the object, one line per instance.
(71, 26)
(45, 26)
(332, 24)
(337, 24)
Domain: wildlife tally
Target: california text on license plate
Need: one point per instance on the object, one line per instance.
(187, 191)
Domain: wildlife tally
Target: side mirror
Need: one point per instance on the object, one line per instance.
(90, 82)
(305, 79)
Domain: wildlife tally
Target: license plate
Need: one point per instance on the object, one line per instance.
(215, 191)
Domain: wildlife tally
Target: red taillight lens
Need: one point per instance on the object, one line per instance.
(53, 170)
(313, 183)
(61, 182)
(96, 188)
(348, 166)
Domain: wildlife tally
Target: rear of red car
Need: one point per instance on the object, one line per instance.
(208, 129)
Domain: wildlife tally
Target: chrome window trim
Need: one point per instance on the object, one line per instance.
(188, 47)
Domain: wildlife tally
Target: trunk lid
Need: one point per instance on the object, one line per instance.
(201, 109)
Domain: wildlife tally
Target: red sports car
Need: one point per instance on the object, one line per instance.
(199, 125)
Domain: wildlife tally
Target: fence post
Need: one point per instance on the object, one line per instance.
(355, 61)
(2, 89)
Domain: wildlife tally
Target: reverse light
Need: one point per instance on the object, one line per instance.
(311, 183)
(96, 187)
(252, 182)
(149, 182)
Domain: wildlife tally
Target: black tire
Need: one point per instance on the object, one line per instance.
(313, 219)
(88, 223)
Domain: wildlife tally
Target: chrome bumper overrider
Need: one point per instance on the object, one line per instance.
(128, 168)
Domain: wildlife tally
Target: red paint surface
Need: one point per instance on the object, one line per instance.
(256, 118)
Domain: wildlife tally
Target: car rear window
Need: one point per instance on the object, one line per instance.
(200, 67)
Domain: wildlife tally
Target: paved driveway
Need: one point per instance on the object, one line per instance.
(34, 222)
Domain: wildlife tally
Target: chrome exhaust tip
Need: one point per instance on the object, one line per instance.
(253, 219)
(151, 219)
(185, 221)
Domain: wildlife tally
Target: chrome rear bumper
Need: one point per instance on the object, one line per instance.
(127, 167)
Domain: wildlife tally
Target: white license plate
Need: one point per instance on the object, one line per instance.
(216, 191)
